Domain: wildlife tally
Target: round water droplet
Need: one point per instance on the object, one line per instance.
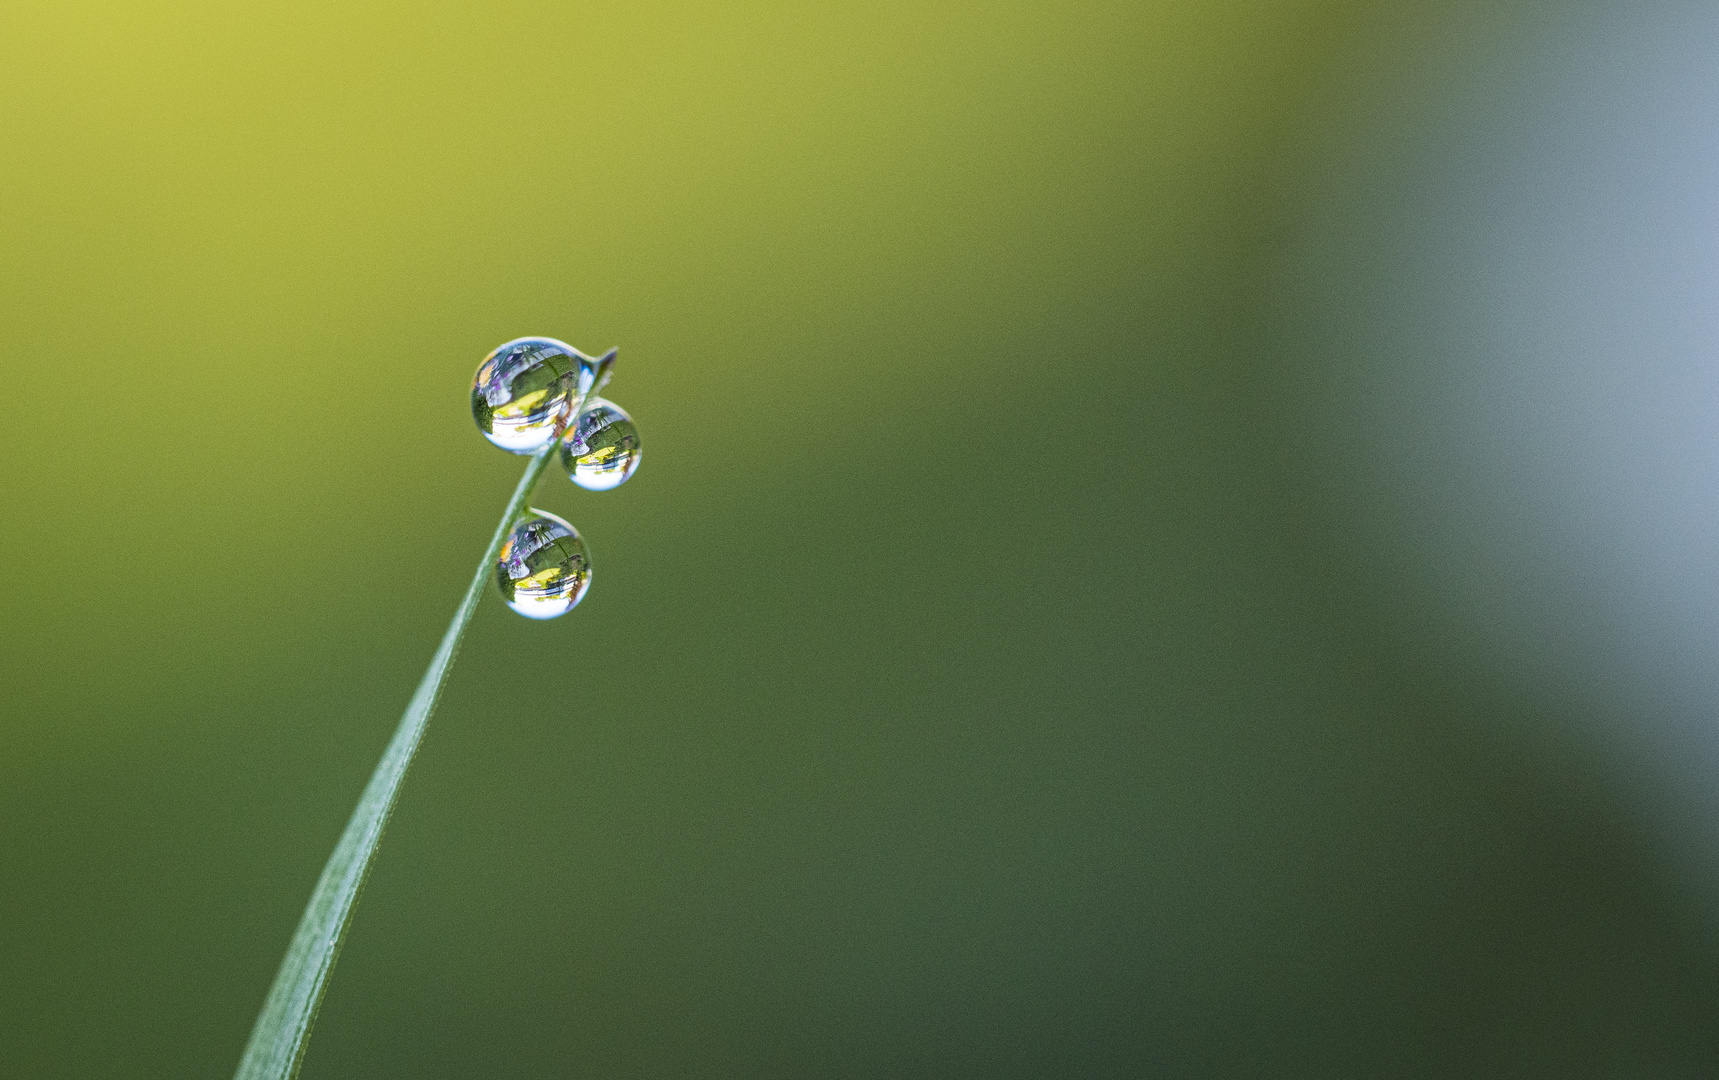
(522, 392)
(544, 568)
(602, 449)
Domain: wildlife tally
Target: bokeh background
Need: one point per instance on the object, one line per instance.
(1175, 540)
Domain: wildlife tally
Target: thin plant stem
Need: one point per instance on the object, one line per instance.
(278, 1040)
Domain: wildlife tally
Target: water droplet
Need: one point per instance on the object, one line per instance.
(544, 568)
(602, 449)
(523, 391)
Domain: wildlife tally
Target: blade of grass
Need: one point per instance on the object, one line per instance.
(277, 1042)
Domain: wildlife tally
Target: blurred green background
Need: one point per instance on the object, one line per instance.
(968, 686)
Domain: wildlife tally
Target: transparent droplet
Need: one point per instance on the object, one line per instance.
(602, 449)
(524, 390)
(544, 568)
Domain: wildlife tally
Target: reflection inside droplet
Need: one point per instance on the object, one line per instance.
(544, 568)
(601, 449)
(523, 391)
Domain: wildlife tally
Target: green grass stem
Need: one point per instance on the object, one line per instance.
(278, 1040)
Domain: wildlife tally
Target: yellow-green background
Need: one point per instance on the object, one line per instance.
(962, 690)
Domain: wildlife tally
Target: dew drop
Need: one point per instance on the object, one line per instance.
(522, 391)
(602, 449)
(544, 568)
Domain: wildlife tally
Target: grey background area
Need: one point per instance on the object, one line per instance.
(1505, 299)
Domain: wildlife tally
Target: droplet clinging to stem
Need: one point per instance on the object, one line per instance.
(544, 569)
(525, 392)
(601, 448)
